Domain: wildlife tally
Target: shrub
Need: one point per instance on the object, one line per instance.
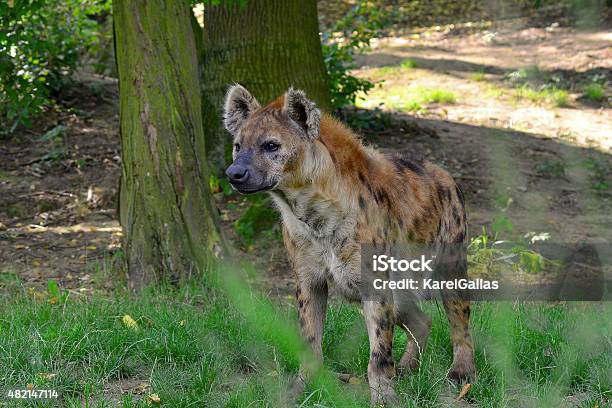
(40, 45)
(350, 35)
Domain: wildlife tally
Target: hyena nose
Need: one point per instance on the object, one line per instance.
(237, 173)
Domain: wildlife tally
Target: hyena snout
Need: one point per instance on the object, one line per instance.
(237, 173)
(245, 177)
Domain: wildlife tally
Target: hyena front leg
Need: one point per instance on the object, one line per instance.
(312, 307)
(458, 313)
(379, 321)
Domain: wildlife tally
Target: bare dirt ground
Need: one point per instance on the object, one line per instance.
(449, 61)
(547, 169)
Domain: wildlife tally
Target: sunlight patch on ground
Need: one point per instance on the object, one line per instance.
(66, 229)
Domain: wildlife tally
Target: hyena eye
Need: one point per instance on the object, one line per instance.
(271, 146)
(237, 147)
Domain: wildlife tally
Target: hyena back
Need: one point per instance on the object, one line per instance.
(335, 194)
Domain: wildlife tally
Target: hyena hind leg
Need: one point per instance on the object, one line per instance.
(417, 326)
(458, 313)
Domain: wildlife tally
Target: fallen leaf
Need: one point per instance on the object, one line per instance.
(46, 376)
(20, 246)
(354, 380)
(53, 300)
(129, 322)
(182, 323)
(30, 386)
(140, 388)
(464, 391)
(154, 399)
(91, 248)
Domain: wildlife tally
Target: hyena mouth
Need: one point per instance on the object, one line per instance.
(243, 190)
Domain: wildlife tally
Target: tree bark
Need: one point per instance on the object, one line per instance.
(168, 217)
(266, 46)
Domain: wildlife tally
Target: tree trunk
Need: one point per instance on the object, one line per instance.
(266, 46)
(168, 217)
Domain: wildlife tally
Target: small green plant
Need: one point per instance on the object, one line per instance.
(411, 106)
(478, 76)
(220, 185)
(560, 98)
(551, 169)
(435, 95)
(595, 92)
(54, 134)
(409, 63)
(496, 256)
(600, 174)
(523, 75)
(55, 294)
(552, 95)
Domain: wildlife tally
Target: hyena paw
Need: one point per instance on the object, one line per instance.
(462, 372)
(297, 388)
(463, 369)
(408, 362)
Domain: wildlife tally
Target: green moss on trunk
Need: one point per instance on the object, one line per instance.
(167, 214)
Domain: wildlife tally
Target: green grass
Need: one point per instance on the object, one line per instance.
(391, 71)
(409, 63)
(436, 95)
(230, 347)
(478, 76)
(595, 92)
(409, 99)
(555, 96)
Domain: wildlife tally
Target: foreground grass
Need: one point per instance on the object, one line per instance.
(198, 346)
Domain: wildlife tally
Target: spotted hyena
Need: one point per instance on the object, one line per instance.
(334, 195)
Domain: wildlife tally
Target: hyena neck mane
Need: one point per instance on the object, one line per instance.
(336, 184)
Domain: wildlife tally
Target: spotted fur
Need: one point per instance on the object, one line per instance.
(334, 194)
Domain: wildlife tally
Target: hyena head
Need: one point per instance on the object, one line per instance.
(268, 141)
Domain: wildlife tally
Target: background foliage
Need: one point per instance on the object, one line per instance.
(350, 35)
(40, 45)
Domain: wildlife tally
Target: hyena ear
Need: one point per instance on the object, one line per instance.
(239, 104)
(303, 111)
